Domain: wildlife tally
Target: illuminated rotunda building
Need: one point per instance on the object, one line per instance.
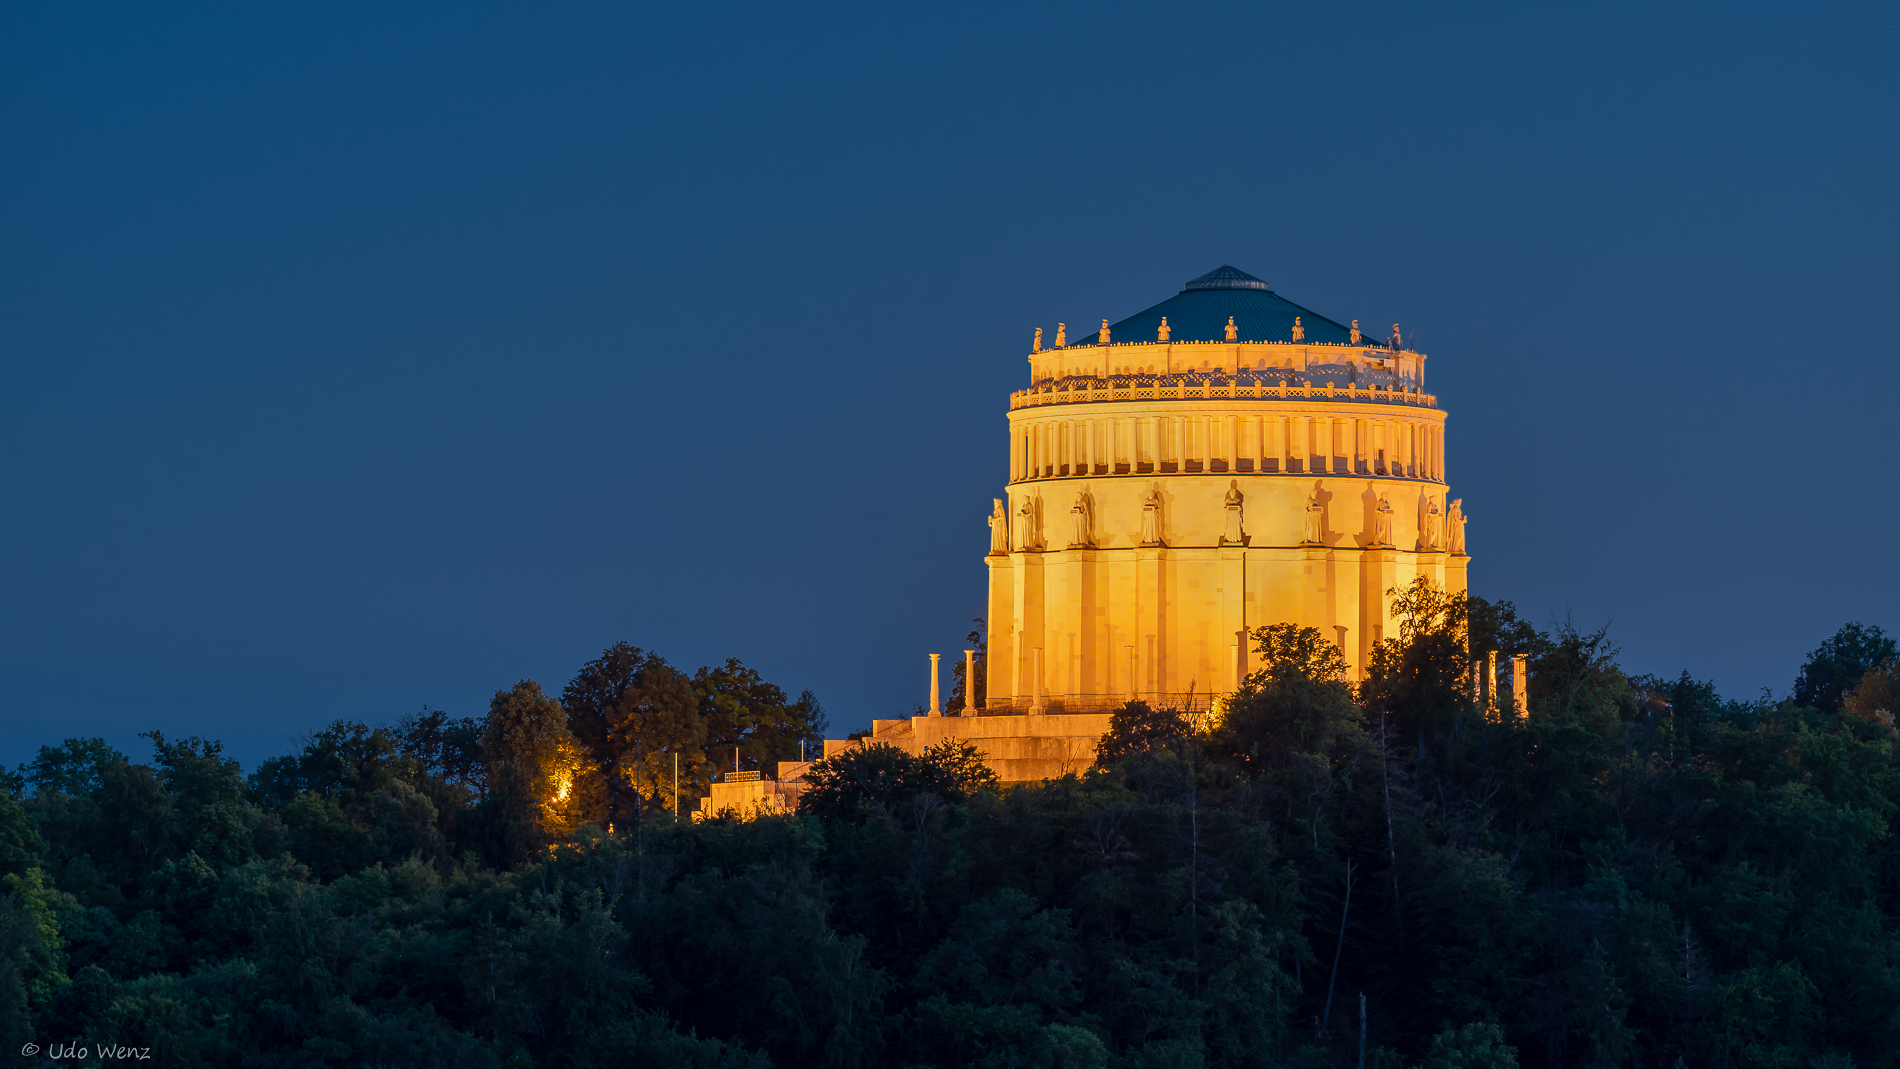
(1223, 460)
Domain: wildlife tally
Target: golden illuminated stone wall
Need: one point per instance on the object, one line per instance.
(1164, 499)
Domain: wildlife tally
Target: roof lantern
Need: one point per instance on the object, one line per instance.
(1226, 277)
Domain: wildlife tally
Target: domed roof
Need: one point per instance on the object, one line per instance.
(1200, 312)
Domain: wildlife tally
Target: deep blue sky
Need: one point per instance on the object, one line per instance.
(357, 358)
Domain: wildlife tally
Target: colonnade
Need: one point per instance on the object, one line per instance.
(1135, 445)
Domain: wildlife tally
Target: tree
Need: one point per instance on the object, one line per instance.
(1422, 677)
(445, 747)
(74, 767)
(346, 761)
(1136, 729)
(1297, 702)
(207, 792)
(1835, 666)
(1471, 1046)
(856, 782)
(1876, 698)
(744, 713)
(1293, 726)
(633, 714)
(1495, 627)
(532, 764)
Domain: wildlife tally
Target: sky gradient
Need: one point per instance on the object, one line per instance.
(356, 358)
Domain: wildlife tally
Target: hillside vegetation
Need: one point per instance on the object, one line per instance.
(1638, 873)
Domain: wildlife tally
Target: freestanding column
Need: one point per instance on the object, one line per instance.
(936, 706)
(1035, 673)
(969, 683)
(1491, 681)
(1134, 684)
(1520, 684)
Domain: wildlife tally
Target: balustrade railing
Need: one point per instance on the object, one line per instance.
(1083, 389)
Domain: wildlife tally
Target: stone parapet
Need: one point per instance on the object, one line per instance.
(1019, 747)
(1086, 389)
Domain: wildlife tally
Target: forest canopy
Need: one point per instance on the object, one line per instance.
(1389, 872)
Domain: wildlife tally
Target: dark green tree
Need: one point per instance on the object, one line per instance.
(634, 716)
(1837, 665)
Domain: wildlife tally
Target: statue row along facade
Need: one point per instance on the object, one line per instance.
(1236, 460)
(1082, 532)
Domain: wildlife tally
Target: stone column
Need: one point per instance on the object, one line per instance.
(1491, 682)
(1035, 675)
(936, 701)
(1000, 660)
(969, 683)
(1520, 684)
(1233, 596)
(1134, 681)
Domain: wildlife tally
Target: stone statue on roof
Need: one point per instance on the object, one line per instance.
(999, 526)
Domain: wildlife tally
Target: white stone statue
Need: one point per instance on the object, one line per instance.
(1355, 332)
(1455, 526)
(1315, 522)
(1082, 521)
(999, 526)
(1026, 533)
(1151, 516)
(1162, 334)
(1428, 516)
(1382, 523)
(1233, 535)
(1299, 332)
